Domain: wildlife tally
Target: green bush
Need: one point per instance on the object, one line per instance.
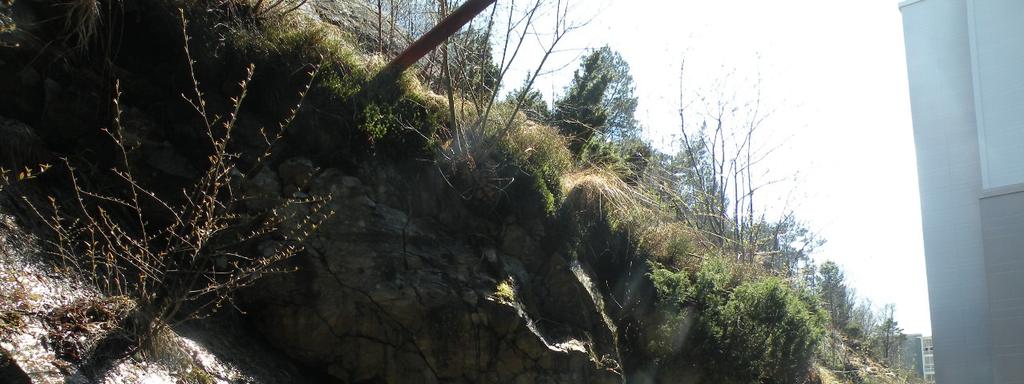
(737, 331)
(773, 329)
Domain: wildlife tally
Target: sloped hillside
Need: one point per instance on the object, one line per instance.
(231, 193)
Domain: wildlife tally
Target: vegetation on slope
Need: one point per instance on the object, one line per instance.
(728, 301)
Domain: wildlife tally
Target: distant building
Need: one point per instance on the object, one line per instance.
(965, 61)
(918, 357)
(913, 355)
(928, 352)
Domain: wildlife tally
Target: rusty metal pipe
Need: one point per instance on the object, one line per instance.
(437, 35)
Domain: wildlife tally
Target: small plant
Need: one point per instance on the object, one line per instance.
(505, 292)
(196, 375)
(8, 177)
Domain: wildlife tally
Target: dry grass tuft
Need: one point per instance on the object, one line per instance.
(604, 190)
(75, 328)
(638, 212)
(81, 22)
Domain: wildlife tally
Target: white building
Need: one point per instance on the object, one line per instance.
(965, 61)
(928, 366)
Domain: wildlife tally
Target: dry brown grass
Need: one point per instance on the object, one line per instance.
(607, 192)
(633, 209)
(76, 327)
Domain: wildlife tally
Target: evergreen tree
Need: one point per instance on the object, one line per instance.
(599, 102)
(890, 336)
(534, 105)
(619, 98)
(834, 292)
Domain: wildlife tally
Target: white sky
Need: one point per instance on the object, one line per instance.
(835, 74)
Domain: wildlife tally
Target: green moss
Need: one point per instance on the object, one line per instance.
(544, 189)
(350, 109)
(377, 121)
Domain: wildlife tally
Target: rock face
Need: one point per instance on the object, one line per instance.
(387, 292)
(405, 283)
(20, 147)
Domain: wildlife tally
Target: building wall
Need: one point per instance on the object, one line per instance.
(966, 67)
(949, 173)
(997, 48)
(913, 355)
(1002, 215)
(996, 30)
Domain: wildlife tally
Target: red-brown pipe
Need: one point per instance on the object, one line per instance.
(437, 35)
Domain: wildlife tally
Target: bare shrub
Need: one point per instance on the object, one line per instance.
(190, 266)
(8, 177)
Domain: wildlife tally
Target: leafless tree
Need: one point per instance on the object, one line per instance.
(723, 151)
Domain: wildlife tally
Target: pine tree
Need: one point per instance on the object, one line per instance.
(599, 102)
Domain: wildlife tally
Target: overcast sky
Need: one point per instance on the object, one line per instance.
(835, 75)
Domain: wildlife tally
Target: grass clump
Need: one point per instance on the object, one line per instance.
(542, 154)
(505, 165)
(635, 212)
(76, 328)
(262, 11)
(352, 111)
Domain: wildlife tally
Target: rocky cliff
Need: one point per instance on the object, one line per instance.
(403, 284)
(409, 281)
(238, 195)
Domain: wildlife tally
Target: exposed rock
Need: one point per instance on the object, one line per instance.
(216, 351)
(262, 191)
(19, 146)
(296, 172)
(335, 183)
(10, 372)
(164, 158)
(381, 295)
